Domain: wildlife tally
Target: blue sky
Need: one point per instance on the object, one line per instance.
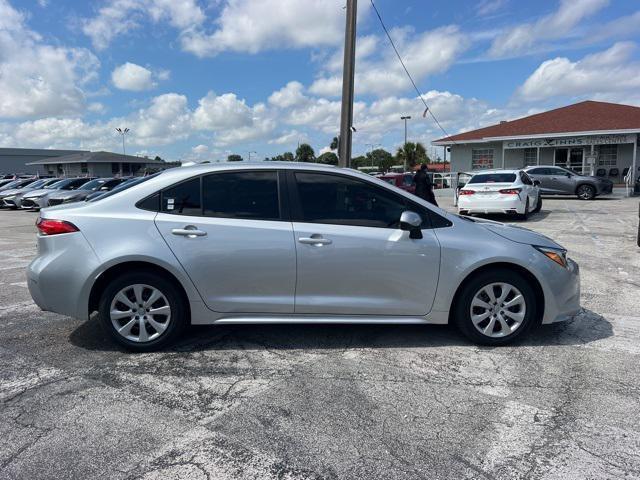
(199, 79)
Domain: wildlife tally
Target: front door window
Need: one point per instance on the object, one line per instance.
(576, 159)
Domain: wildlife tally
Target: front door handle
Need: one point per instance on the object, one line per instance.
(190, 231)
(316, 240)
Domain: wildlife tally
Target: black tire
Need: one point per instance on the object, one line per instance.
(525, 215)
(586, 192)
(463, 212)
(176, 322)
(538, 205)
(462, 308)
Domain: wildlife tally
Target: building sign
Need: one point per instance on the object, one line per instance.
(569, 141)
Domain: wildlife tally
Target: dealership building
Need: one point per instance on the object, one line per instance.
(596, 138)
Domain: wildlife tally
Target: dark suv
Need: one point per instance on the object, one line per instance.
(562, 181)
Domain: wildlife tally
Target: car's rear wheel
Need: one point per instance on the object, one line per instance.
(142, 311)
(463, 212)
(495, 307)
(586, 192)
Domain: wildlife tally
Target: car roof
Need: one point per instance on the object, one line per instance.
(496, 170)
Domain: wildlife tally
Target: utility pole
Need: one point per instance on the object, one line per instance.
(405, 118)
(346, 113)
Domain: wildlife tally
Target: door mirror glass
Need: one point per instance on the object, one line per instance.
(411, 221)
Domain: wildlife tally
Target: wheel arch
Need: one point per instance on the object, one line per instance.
(128, 266)
(584, 182)
(530, 277)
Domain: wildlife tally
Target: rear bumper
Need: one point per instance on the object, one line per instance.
(506, 204)
(57, 276)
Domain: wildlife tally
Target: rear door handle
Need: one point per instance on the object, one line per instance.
(316, 240)
(189, 231)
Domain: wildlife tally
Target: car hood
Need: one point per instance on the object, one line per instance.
(11, 191)
(38, 193)
(64, 194)
(517, 234)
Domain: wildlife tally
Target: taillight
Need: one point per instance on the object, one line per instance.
(467, 192)
(47, 226)
(511, 191)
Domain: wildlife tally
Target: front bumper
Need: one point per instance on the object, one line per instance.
(561, 288)
(34, 202)
(604, 188)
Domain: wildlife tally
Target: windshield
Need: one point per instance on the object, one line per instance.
(493, 178)
(37, 183)
(53, 184)
(124, 186)
(94, 184)
(71, 183)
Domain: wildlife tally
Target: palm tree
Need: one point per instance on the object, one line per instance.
(411, 154)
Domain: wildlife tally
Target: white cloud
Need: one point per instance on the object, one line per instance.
(291, 137)
(611, 72)
(256, 25)
(558, 24)
(200, 149)
(130, 76)
(118, 17)
(221, 112)
(37, 79)
(424, 54)
(288, 96)
(487, 7)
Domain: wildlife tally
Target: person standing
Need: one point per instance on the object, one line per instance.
(424, 187)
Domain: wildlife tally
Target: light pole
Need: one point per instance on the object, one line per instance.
(250, 152)
(405, 118)
(371, 147)
(122, 132)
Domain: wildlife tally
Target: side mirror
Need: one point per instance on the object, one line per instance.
(536, 183)
(410, 222)
(568, 175)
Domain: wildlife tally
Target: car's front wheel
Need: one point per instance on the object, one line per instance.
(495, 307)
(142, 311)
(586, 192)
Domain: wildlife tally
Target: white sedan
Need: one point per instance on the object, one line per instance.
(500, 191)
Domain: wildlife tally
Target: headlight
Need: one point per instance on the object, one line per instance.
(70, 199)
(558, 255)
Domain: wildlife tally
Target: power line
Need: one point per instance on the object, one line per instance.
(427, 109)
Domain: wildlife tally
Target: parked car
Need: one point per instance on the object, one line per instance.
(500, 191)
(37, 199)
(291, 243)
(12, 198)
(127, 183)
(81, 193)
(400, 180)
(19, 183)
(562, 181)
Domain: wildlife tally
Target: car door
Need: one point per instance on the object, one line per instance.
(231, 233)
(352, 257)
(546, 178)
(562, 181)
(529, 188)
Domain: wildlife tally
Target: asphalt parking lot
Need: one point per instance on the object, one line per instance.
(298, 402)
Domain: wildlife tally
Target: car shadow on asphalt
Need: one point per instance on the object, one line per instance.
(585, 328)
(503, 218)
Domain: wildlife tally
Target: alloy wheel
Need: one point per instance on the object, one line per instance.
(585, 192)
(140, 313)
(498, 309)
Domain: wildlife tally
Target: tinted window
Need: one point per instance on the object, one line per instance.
(183, 198)
(407, 180)
(493, 178)
(539, 171)
(94, 184)
(252, 195)
(525, 179)
(343, 201)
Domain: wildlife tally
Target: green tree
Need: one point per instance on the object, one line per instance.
(380, 158)
(359, 161)
(328, 158)
(304, 153)
(288, 157)
(234, 158)
(412, 154)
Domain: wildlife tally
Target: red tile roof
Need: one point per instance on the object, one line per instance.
(587, 116)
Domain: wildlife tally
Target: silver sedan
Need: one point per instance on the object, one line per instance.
(291, 243)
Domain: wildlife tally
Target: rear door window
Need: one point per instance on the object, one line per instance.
(183, 198)
(250, 195)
